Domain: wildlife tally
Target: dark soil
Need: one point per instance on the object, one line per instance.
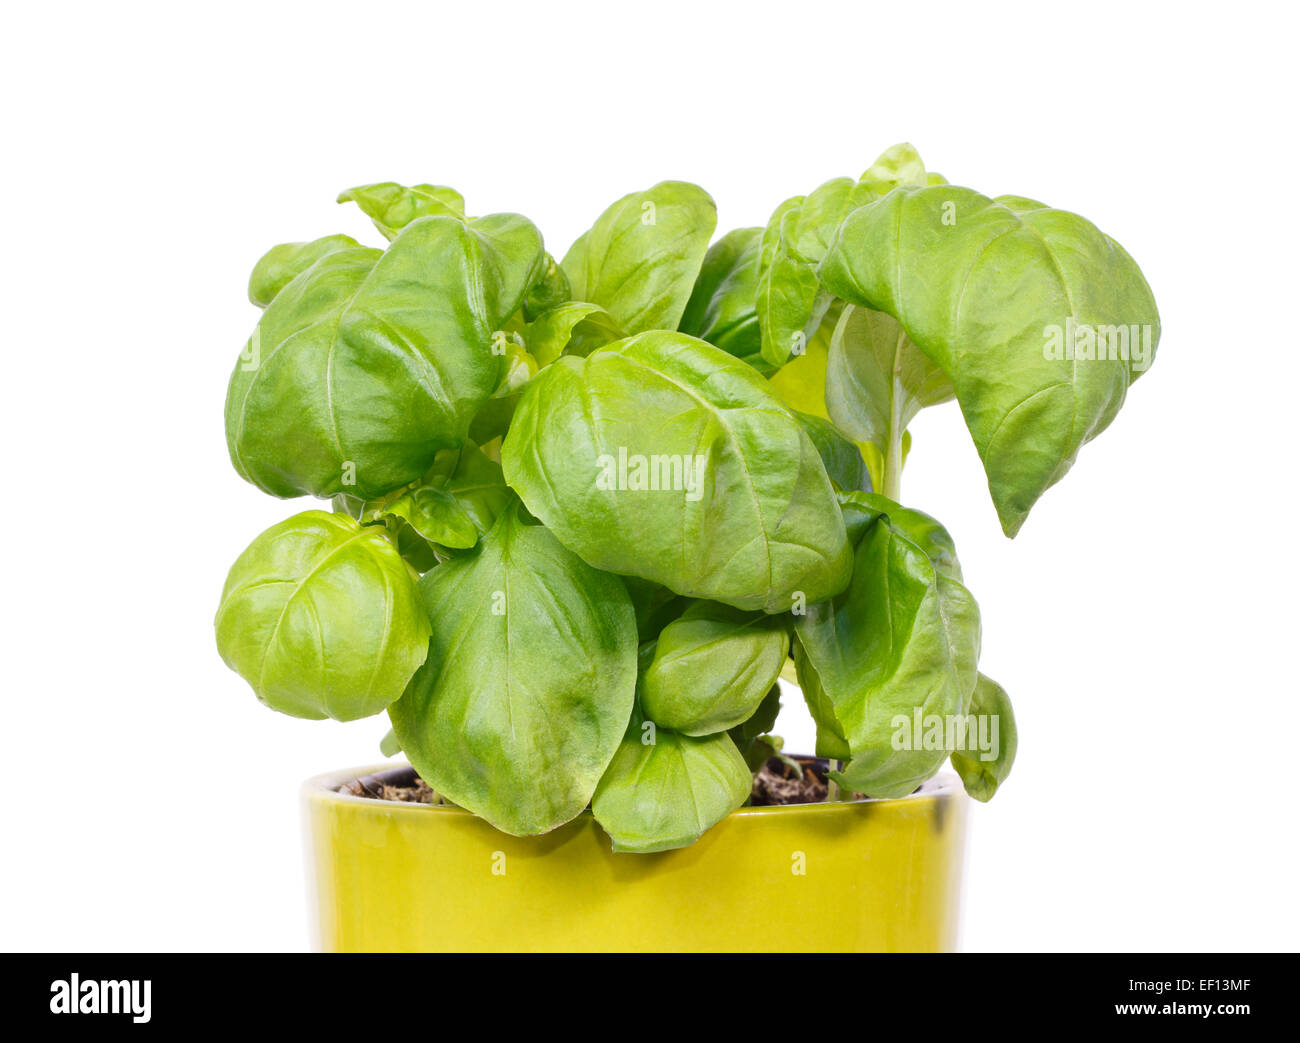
(400, 784)
(777, 782)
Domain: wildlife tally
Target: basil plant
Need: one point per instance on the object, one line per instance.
(581, 514)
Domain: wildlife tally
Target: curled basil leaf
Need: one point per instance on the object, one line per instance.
(663, 457)
(320, 616)
(1040, 321)
(281, 264)
(897, 165)
(877, 380)
(551, 289)
(365, 365)
(457, 501)
(985, 764)
(574, 326)
(388, 745)
(529, 681)
(392, 206)
(640, 259)
(712, 668)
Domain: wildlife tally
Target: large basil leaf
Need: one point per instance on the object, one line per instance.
(662, 790)
(663, 457)
(320, 616)
(723, 308)
(392, 206)
(985, 288)
(640, 259)
(364, 366)
(903, 639)
(712, 668)
(877, 381)
(529, 682)
(990, 708)
(281, 264)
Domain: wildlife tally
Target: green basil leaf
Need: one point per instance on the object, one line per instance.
(842, 459)
(877, 380)
(493, 420)
(281, 264)
(759, 724)
(791, 300)
(897, 165)
(320, 616)
(529, 682)
(1040, 321)
(723, 308)
(801, 382)
(457, 501)
(574, 325)
(831, 741)
(551, 289)
(712, 668)
(663, 457)
(392, 206)
(388, 745)
(365, 365)
(640, 259)
(872, 666)
(789, 304)
(656, 606)
(665, 794)
(986, 766)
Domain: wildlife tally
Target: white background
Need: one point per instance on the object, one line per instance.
(1144, 621)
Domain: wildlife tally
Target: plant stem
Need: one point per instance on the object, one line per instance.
(892, 472)
(892, 469)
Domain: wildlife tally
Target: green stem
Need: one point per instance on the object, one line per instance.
(892, 470)
(893, 451)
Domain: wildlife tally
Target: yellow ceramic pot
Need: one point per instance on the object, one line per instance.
(872, 875)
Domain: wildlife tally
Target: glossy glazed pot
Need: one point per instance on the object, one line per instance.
(871, 875)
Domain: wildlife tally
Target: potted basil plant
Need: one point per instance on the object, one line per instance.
(581, 515)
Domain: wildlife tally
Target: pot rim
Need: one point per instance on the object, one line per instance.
(324, 788)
